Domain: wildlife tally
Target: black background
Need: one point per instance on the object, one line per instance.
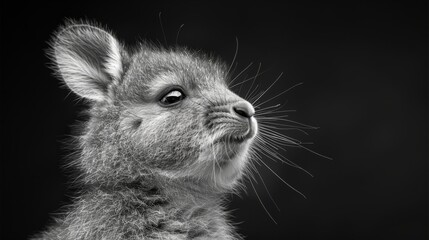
(364, 69)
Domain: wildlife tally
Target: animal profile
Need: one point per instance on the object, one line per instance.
(165, 140)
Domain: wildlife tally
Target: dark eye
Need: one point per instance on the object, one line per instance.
(172, 98)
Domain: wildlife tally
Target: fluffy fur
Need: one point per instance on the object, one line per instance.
(150, 171)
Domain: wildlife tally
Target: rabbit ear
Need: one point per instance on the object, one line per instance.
(89, 59)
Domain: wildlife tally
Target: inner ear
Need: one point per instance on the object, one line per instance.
(89, 59)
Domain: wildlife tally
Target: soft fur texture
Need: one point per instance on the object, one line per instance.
(150, 171)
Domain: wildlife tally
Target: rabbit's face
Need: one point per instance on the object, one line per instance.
(156, 111)
(182, 120)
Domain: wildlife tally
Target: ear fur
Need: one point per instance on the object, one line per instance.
(88, 58)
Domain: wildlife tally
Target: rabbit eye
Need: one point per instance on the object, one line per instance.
(172, 98)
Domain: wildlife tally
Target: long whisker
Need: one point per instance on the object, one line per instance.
(274, 119)
(235, 55)
(281, 179)
(178, 32)
(241, 86)
(269, 194)
(252, 167)
(283, 92)
(280, 136)
(162, 28)
(283, 127)
(253, 82)
(262, 204)
(274, 124)
(245, 80)
(314, 152)
(265, 149)
(238, 75)
(281, 74)
(253, 93)
(271, 108)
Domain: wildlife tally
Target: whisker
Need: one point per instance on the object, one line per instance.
(162, 28)
(281, 74)
(283, 138)
(262, 204)
(314, 152)
(286, 142)
(285, 91)
(287, 128)
(238, 75)
(241, 86)
(274, 109)
(287, 139)
(269, 124)
(280, 136)
(246, 80)
(178, 32)
(251, 94)
(253, 82)
(279, 117)
(273, 156)
(253, 155)
(281, 179)
(271, 108)
(269, 194)
(235, 55)
(273, 119)
(256, 94)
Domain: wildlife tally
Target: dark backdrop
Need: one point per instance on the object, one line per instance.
(364, 69)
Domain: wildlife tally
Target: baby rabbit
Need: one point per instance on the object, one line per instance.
(165, 139)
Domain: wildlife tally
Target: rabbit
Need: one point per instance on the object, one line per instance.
(165, 140)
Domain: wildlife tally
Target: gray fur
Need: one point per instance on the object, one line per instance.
(148, 171)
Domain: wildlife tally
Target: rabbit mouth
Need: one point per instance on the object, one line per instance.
(234, 145)
(232, 139)
(239, 137)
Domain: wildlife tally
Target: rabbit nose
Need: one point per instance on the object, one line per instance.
(244, 109)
